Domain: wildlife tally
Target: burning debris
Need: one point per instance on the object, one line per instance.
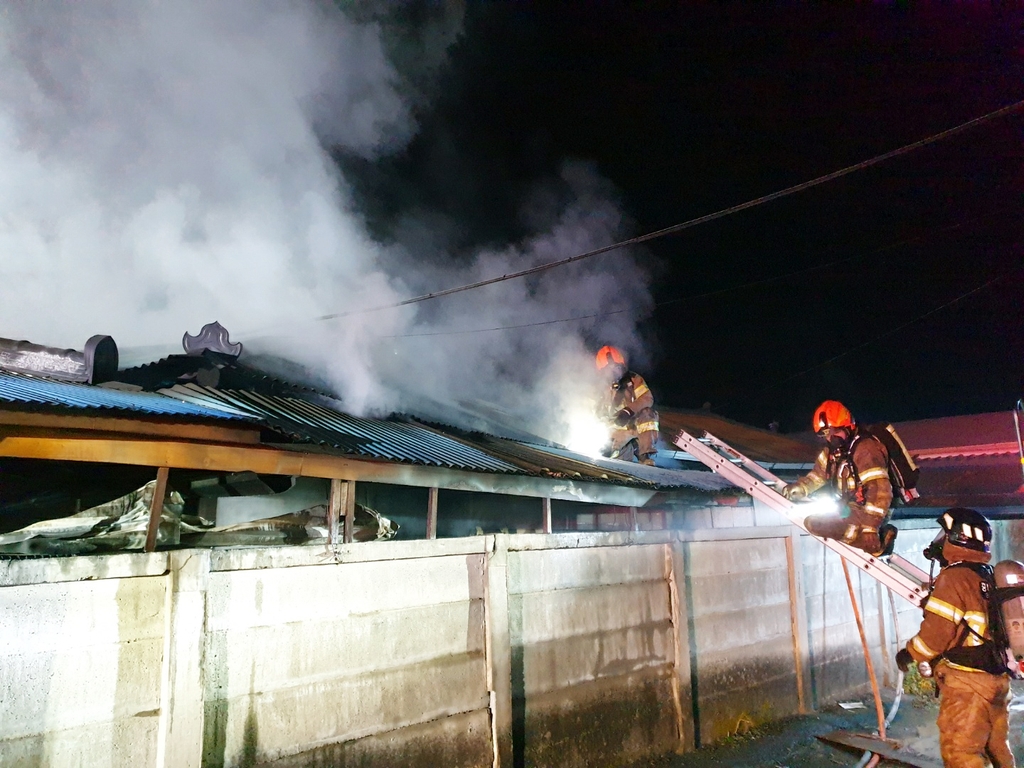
(121, 525)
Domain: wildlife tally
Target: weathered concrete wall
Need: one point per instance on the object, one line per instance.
(321, 655)
(593, 654)
(81, 673)
(565, 649)
(741, 633)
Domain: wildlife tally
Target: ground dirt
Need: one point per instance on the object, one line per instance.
(792, 743)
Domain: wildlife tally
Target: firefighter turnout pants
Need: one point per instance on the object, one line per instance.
(858, 529)
(973, 718)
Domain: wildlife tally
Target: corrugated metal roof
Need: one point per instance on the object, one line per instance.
(384, 439)
(30, 390)
(377, 438)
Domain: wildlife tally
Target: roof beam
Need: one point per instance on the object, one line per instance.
(271, 461)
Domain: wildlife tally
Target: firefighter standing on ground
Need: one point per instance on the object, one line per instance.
(956, 641)
(629, 407)
(857, 466)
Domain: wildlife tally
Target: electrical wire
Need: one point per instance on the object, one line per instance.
(691, 222)
(718, 291)
(892, 331)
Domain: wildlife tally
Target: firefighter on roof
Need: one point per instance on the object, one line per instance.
(956, 642)
(856, 465)
(629, 408)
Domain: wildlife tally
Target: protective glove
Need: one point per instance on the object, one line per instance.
(622, 418)
(793, 491)
(904, 659)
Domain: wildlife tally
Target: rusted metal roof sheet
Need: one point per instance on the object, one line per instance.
(33, 391)
(758, 444)
(550, 461)
(973, 435)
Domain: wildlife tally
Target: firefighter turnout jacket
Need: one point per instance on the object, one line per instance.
(972, 680)
(631, 411)
(859, 474)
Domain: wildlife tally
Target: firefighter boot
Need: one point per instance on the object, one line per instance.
(887, 537)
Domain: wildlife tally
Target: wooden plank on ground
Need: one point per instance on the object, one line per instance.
(886, 748)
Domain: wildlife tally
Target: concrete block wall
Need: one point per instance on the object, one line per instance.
(81, 664)
(593, 645)
(565, 649)
(741, 634)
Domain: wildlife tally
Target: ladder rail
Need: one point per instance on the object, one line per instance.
(754, 479)
(1017, 428)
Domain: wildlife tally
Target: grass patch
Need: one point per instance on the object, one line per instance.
(915, 685)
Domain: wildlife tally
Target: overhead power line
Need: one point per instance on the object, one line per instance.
(717, 292)
(691, 222)
(891, 331)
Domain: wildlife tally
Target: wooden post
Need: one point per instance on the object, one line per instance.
(432, 513)
(349, 508)
(156, 508)
(633, 520)
(546, 508)
(334, 504)
(798, 618)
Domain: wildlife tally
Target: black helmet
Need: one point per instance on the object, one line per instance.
(967, 528)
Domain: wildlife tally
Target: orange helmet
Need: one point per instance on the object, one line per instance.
(608, 355)
(831, 414)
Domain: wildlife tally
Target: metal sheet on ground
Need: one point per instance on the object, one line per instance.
(888, 749)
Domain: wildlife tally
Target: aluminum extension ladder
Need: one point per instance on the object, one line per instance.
(898, 574)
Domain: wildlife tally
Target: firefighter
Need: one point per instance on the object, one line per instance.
(856, 465)
(955, 642)
(629, 408)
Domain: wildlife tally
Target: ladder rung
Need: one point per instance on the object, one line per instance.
(752, 478)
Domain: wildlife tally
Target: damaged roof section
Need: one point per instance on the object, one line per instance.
(209, 385)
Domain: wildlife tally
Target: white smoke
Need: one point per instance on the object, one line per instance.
(162, 165)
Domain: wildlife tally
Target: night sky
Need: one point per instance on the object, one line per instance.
(843, 291)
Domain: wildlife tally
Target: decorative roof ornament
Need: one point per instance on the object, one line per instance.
(213, 337)
(95, 364)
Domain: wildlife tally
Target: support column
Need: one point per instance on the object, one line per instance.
(334, 505)
(432, 513)
(156, 508)
(682, 688)
(499, 674)
(182, 707)
(546, 509)
(349, 509)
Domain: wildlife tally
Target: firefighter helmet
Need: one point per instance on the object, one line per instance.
(608, 355)
(831, 414)
(967, 528)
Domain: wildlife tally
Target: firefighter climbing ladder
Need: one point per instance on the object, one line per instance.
(900, 575)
